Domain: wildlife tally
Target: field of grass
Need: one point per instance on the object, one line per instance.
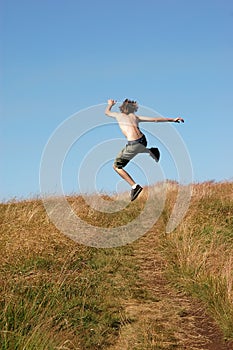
(200, 251)
(57, 294)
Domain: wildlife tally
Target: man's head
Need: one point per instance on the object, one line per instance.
(128, 106)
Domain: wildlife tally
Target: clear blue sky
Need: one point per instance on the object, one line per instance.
(58, 57)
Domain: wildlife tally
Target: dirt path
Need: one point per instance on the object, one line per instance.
(167, 320)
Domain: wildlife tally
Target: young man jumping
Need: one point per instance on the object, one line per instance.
(128, 122)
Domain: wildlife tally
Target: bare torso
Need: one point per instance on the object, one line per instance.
(128, 124)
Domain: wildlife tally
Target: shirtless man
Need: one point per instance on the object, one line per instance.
(128, 122)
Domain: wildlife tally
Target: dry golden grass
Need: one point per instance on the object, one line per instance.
(200, 251)
(57, 294)
(54, 293)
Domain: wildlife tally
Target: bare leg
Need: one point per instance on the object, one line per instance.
(124, 175)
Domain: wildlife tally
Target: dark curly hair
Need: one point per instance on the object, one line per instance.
(129, 106)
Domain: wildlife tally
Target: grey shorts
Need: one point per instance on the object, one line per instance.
(130, 151)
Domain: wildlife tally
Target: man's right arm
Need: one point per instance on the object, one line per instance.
(159, 120)
(108, 111)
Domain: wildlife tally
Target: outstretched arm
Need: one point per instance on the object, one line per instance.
(159, 120)
(108, 111)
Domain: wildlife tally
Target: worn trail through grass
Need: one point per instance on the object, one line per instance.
(164, 318)
(162, 292)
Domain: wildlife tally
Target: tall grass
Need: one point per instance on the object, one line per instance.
(57, 294)
(200, 252)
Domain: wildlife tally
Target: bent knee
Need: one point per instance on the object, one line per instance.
(120, 163)
(116, 167)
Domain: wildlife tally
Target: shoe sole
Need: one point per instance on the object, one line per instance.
(154, 157)
(136, 194)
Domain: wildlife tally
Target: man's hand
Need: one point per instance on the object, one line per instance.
(111, 102)
(178, 120)
(108, 109)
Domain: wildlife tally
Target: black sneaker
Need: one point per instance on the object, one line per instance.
(155, 154)
(135, 192)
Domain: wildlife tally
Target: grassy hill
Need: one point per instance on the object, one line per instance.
(164, 291)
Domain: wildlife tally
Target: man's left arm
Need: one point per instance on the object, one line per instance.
(108, 111)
